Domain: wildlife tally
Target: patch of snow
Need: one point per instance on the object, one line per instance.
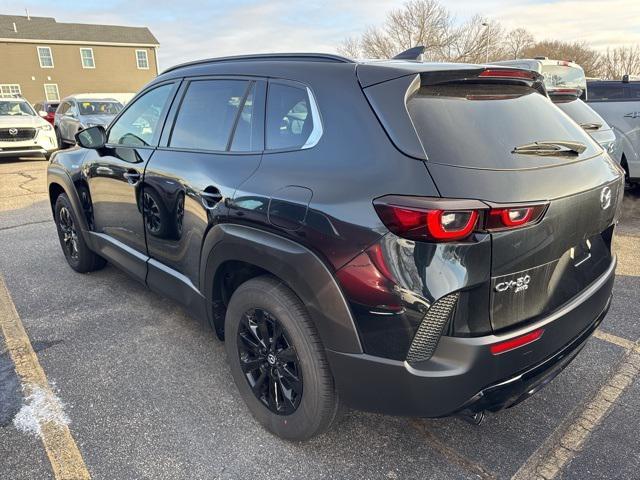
(40, 407)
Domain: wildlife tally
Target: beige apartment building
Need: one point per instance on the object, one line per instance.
(42, 59)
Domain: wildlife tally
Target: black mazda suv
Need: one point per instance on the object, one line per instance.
(410, 238)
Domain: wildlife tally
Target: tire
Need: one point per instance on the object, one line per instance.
(61, 144)
(317, 403)
(75, 249)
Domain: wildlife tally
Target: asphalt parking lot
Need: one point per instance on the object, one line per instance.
(147, 393)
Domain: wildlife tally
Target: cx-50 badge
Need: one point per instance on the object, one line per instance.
(519, 284)
(605, 198)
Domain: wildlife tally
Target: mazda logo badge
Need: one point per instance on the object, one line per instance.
(13, 132)
(605, 198)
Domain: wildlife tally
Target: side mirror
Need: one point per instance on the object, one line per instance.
(92, 137)
(42, 113)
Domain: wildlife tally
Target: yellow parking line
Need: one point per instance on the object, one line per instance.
(569, 439)
(615, 339)
(66, 460)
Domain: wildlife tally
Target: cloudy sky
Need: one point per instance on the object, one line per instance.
(189, 29)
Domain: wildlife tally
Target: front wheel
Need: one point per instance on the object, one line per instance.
(75, 249)
(277, 360)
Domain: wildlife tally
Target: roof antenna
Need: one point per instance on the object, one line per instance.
(411, 54)
(15, 28)
(27, 12)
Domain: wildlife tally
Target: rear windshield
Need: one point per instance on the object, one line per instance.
(581, 113)
(479, 125)
(563, 76)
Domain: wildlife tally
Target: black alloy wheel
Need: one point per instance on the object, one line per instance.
(152, 215)
(69, 233)
(269, 362)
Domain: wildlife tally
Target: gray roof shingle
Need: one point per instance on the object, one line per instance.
(46, 28)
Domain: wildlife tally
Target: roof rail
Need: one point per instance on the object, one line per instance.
(313, 57)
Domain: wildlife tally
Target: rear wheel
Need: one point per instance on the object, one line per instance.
(61, 144)
(75, 249)
(277, 360)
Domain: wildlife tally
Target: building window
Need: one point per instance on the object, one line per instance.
(46, 57)
(86, 54)
(51, 92)
(9, 90)
(142, 59)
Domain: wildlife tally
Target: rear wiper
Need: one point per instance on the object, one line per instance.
(558, 148)
(591, 126)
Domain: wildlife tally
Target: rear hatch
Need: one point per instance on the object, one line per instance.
(479, 139)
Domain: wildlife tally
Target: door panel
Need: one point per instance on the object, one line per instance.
(185, 185)
(113, 196)
(114, 182)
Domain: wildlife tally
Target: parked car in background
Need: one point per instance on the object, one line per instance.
(419, 239)
(47, 110)
(78, 112)
(566, 86)
(618, 102)
(22, 131)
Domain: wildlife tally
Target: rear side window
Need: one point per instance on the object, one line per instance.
(248, 133)
(290, 120)
(207, 114)
(633, 91)
(605, 92)
(478, 125)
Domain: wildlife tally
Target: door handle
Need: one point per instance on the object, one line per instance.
(104, 170)
(632, 115)
(132, 177)
(210, 197)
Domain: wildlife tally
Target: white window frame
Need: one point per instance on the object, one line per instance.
(40, 58)
(46, 95)
(6, 89)
(146, 56)
(93, 58)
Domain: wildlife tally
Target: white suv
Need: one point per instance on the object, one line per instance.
(22, 131)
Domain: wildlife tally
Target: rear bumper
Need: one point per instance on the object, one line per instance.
(463, 374)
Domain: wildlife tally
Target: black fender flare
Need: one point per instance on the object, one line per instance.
(58, 175)
(297, 266)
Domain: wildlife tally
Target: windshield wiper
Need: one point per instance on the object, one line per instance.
(591, 126)
(549, 148)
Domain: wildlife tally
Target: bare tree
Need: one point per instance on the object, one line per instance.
(577, 52)
(418, 22)
(475, 41)
(350, 47)
(620, 61)
(429, 23)
(516, 42)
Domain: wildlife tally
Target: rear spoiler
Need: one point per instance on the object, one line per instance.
(563, 95)
(370, 74)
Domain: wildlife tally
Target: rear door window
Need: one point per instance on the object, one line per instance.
(479, 125)
(290, 121)
(208, 113)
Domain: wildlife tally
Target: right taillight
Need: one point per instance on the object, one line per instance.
(448, 220)
(505, 218)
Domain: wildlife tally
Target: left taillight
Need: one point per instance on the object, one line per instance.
(447, 220)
